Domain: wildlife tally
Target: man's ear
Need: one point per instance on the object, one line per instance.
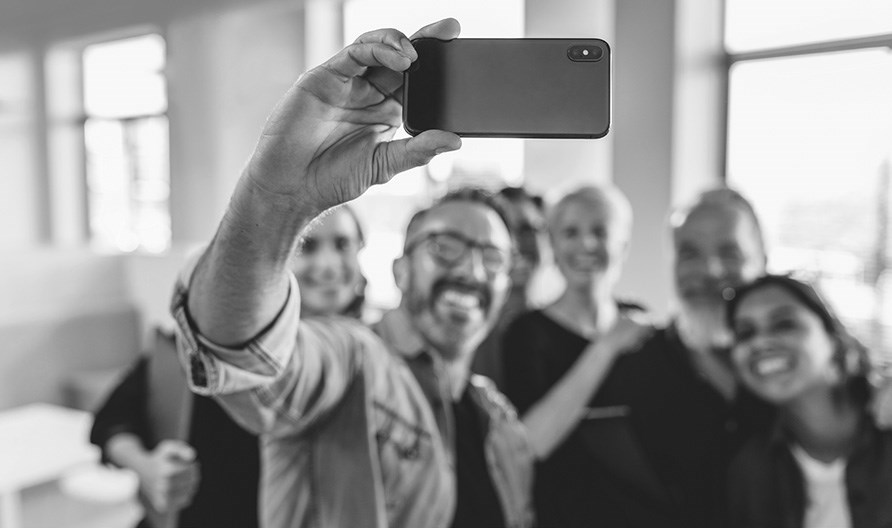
(401, 273)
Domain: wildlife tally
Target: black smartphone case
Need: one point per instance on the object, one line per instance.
(529, 88)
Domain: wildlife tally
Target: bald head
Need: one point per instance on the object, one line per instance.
(718, 246)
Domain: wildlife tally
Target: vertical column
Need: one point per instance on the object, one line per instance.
(194, 129)
(65, 146)
(11, 509)
(699, 130)
(643, 122)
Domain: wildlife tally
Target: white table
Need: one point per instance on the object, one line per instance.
(38, 444)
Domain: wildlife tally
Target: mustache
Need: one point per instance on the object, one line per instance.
(481, 290)
(718, 290)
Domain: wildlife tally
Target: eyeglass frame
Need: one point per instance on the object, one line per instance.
(468, 244)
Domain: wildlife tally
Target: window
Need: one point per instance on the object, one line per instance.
(126, 141)
(488, 163)
(808, 141)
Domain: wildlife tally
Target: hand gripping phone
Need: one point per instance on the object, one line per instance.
(527, 88)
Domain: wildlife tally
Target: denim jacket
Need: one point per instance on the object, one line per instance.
(350, 427)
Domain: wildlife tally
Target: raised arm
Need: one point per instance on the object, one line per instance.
(550, 420)
(326, 142)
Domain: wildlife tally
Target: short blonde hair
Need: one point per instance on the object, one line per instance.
(605, 195)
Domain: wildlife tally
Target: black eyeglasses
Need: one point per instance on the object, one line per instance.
(449, 248)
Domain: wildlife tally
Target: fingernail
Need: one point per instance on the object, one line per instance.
(408, 49)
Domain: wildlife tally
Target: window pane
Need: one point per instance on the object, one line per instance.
(125, 77)
(129, 185)
(809, 142)
(755, 24)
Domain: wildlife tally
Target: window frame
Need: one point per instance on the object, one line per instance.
(83, 117)
(780, 52)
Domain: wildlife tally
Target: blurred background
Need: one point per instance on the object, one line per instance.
(124, 125)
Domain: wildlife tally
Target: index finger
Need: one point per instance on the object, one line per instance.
(390, 82)
(386, 48)
(445, 29)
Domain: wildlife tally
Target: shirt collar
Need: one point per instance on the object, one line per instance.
(399, 333)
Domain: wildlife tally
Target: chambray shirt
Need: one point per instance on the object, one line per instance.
(350, 438)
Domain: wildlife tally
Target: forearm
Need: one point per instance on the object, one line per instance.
(241, 283)
(126, 450)
(552, 418)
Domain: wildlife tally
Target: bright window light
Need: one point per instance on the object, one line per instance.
(126, 139)
(759, 24)
(809, 143)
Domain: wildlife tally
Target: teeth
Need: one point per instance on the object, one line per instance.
(772, 365)
(466, 301)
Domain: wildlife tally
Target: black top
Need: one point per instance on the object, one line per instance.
(570, 489)
(655, 447)
(477, 504)
(686, 431)
(228, 456)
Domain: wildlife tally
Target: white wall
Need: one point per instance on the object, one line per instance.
(63, 312)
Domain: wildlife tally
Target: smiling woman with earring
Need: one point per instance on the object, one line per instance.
(825, 464)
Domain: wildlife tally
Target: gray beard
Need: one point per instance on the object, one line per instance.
(702, 328)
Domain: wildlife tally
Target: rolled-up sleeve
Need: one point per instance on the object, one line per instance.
(284, 379)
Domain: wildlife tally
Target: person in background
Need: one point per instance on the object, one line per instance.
(825, 463)
(209, 475)
(582, 332)
(326, 265)
(678, 415)
(526, 218)
(196, 467)
(359, 430)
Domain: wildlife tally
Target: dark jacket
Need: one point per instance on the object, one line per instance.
(669, 436)
(767, 488)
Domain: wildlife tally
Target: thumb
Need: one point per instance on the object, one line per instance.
(393, 157)
(177, 450)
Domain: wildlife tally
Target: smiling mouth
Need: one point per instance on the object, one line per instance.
(585, 262)
(461, 300)
(771, 365)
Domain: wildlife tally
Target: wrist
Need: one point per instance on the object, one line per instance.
(268, 222)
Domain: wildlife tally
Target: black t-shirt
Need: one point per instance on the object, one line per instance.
(229, 456)
(477, 504)
(570, 490)
(229, 459)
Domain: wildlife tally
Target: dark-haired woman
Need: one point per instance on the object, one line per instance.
(825, 464)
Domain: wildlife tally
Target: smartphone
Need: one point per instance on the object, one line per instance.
(528, 88)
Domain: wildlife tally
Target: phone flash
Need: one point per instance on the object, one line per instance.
(585, 52)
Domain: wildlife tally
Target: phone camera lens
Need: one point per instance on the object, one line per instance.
(585, 53)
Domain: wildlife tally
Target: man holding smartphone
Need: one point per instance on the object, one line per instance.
(358, 431)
